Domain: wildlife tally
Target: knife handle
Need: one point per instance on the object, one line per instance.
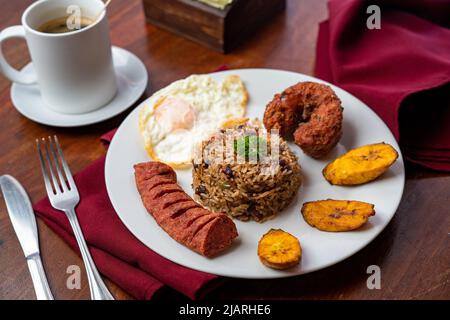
(39, 279)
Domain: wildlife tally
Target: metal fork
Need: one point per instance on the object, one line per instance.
(63, 195)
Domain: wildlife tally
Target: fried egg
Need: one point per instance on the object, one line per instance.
(178, 117)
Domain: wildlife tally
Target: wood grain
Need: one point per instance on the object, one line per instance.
(413, 251)
(220, 30)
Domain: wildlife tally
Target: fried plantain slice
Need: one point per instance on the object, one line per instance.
(337, 215)
(361, 165)
(278, 249)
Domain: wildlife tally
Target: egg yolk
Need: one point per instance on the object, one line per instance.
(173, 114)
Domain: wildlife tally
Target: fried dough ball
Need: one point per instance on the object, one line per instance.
(308, 112)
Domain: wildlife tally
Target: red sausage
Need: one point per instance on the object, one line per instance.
(201, 230)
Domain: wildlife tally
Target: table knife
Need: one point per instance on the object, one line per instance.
(24, 224)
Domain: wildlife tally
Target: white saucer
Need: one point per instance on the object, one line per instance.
(131, 81)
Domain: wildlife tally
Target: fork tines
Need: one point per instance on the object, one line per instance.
(52, 159)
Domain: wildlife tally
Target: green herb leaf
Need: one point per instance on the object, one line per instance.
(250, 146)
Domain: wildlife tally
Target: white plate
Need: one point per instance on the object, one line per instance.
(131, 82)
(320, 249)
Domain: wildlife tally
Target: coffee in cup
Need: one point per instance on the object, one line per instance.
(60, 25)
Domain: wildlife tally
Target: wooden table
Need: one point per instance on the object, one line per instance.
(413, 251)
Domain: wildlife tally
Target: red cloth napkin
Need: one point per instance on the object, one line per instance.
(116, 252)
(402, 70)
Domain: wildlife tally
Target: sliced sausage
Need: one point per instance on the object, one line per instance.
(159, 191)
(197, 224)
(215, 236)
(154, 182)
(178, 227)
(171, 199)
(178, 208)
(144, 172)
(201, 230)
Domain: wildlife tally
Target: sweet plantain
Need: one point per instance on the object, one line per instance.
(278, 249)
(361, 165)
(337, 215)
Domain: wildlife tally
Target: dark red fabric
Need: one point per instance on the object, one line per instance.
(116, 252)
(107, 137)
(402, 71)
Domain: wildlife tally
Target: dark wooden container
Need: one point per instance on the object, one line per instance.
(221, 30)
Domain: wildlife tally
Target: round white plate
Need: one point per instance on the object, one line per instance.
(131, 81)
(320, 249)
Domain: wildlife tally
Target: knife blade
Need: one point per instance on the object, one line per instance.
(23, 221)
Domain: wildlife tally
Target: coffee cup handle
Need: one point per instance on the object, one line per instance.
(5, 68)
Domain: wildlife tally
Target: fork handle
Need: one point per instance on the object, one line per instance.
(97, 287)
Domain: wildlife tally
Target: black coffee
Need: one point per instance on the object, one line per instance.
(59, 25)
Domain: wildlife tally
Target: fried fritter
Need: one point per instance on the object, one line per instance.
(308, 112)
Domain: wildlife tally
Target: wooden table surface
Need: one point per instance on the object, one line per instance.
(412, 252)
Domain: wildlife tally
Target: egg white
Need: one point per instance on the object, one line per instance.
(214, 103)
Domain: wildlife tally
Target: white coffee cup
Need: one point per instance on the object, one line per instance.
(74, 70)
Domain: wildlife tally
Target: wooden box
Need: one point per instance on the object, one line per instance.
(221, 30)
